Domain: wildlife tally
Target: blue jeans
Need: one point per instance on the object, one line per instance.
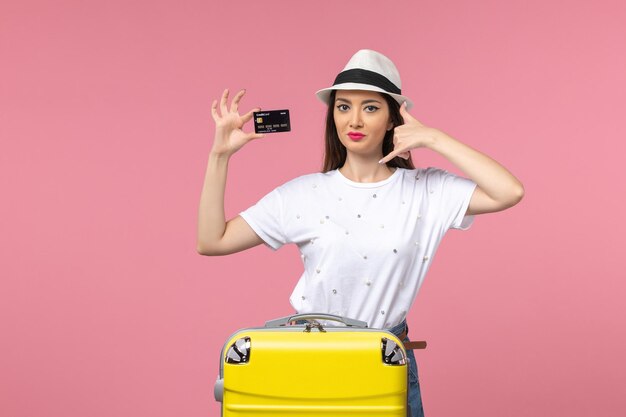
(415, 397)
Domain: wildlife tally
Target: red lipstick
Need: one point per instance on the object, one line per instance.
(355, 135)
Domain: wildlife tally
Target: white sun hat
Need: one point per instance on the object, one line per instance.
(371, 71)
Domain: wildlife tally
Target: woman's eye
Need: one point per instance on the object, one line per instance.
(371, 109)
(342, 107)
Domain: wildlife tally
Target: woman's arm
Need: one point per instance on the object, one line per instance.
(497, 189)
(216, 236)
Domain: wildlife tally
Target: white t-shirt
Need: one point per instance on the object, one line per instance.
(365, 246)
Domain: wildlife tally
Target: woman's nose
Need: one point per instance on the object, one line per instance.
(355, 119)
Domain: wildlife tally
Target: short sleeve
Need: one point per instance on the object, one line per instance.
(455, 194)
(266, 219)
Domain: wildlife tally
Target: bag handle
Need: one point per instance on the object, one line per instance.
(283, 321)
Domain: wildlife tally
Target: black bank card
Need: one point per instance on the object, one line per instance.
(271, 121)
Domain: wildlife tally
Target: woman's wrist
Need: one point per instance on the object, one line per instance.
(218, 156)
(437, 140)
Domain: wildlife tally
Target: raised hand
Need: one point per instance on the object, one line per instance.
(229, 136)
(412, 134)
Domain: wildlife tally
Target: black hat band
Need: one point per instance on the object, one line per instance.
(362, 76)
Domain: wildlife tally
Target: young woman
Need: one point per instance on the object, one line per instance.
(367, 226)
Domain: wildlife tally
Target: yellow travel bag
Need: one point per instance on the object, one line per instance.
(303, 366)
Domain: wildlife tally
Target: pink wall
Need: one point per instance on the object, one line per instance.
(107, 310)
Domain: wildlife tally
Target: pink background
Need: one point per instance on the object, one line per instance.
(106, 309)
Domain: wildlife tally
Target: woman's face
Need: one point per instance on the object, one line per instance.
(362, 119)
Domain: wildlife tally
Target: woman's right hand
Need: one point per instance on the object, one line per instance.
(229, 136)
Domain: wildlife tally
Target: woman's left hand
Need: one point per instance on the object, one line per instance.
(496, 188)
(412, 134)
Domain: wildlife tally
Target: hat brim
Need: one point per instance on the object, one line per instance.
(324, 94)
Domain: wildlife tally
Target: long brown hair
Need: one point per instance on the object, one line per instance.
(335, 152)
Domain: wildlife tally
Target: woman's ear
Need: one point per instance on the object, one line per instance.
(389, 126)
